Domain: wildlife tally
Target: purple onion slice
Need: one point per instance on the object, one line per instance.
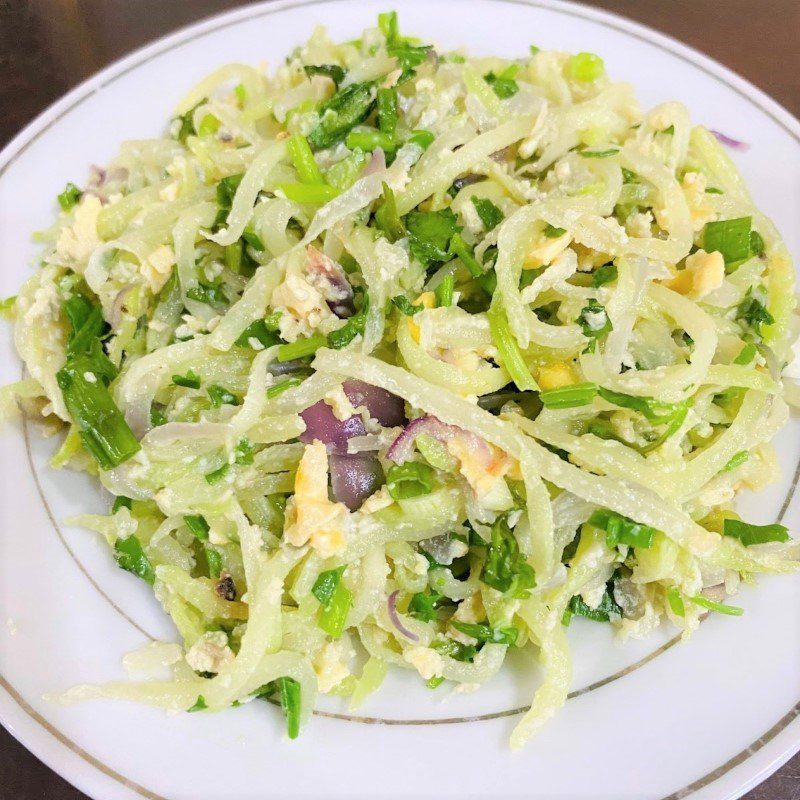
(393, 616)
(728, 141)
(383, 406)
(322, 424)
(354, 478)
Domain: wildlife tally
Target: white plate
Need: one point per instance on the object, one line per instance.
(649, 721)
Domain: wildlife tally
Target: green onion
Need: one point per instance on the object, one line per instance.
(405, 305)
(218, 474)
(157, 417)
(209, 125)
(510, 355)
(335, 599)
(534, 49)
(622, 530)
(280, 388)
(736, 461)
(599, 153)
(190, 380)
(730, 237)
(411, 479)
(435, 682)
(131, 557)
(714, 190)
(704, 602)
(205, 293)
(7, 305)
(311, 193)
(490, 215)
(749, 534)
(70, 197)
(104, 431)
(585, 67)
(220, 396)
(603, 275)
(332, 71)
(386, 217)
(423, 605)
(422, 139)
(387, 112)
(676, 602)
(369, 140)
(301, 348)
(199, 705)
(444, 291)
(579, 394)
(343, 174)
(303, 159)
(746, 354)
(198, 526)
(339, 115)
(226, 190)
(505, 568)
(485, 633)
(289, 690)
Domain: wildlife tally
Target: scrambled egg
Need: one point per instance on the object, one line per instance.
(310, 515)
(210, 653)
(483, 466)
(546, 250)
(704, 273)
(694, 190)
(78, 241)
(157, 267)
(425, 660)
(555, 375)
(304, 309)
(331, 664)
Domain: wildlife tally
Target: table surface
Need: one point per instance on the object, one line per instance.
(47, 46)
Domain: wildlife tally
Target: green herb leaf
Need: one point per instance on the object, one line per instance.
(429, 235)
(131, 557)
(220, 396)
(505, 568)
(746, 354)
(218, 474)
(260, 333)
(455, 650)
(332, 71)
(243, 452)
(487, 634)
(226, 190)
(757, 246)
(386, 217)
(405, 305)
(336, 600)
(411, 479)
(676, 602)
(200, 704)
(551, 232)
(749, 535)
(603, 275)
(655, 410)
(280, 388)
(301, 348)
(599, 153)
(510, 354)
(354, 326)
(736, 461)
(608, 607)
(459, 248)
(121, 502)
(205, 293)
(753, 313)
(594, 322)
(214, 562)
(503, 84)
(490, 215)
(423, 605)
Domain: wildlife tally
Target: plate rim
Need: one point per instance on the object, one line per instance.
(765, 755)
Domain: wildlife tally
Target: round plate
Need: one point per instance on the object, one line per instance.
(654, 720)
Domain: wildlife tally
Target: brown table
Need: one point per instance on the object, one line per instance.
(47, 46)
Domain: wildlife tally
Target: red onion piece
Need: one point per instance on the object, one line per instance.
(734, 144)
(383, 406)
(393, 616)
(402, 448)
(322, 424)
(115, 318)
(376, 164)
(329, 277)
(354, 478)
